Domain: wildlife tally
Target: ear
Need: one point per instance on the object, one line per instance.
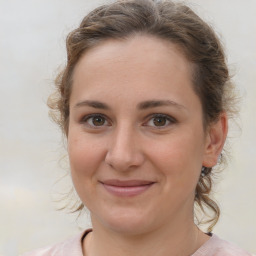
(215, 139)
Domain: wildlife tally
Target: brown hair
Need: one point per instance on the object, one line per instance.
(176, 23)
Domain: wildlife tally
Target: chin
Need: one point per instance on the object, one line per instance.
(125, 222)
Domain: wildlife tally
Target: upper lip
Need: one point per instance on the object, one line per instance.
(127, 183)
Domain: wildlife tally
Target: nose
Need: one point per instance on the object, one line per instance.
(124, 150)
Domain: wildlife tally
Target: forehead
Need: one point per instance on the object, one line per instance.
(135, 49)
(143, 63)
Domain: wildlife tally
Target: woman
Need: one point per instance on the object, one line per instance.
(144, 102)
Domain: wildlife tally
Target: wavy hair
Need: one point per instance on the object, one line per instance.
(170, 21)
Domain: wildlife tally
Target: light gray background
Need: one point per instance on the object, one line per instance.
(32, 34)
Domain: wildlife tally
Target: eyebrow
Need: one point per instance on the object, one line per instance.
(93, 104)
(158, 103)
(141, 106)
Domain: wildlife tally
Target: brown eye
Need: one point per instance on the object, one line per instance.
(95, 121)
(98, 120)
(159, 121)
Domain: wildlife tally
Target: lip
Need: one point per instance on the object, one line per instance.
(127, 188)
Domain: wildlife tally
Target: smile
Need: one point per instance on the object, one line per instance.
(127, 188)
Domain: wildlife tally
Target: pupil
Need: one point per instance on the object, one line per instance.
(97, 121)
(159, 121)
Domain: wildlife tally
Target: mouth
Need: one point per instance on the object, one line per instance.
(127, 188)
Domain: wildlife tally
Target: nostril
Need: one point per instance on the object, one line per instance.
(122, 153)
(123, 160)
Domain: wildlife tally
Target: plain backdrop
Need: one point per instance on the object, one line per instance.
(32, 49)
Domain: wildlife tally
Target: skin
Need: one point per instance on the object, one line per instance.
(127, 140)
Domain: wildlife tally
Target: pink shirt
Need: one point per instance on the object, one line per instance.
(73, 247)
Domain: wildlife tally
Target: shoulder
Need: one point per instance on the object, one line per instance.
(70, 247)
(216, 246)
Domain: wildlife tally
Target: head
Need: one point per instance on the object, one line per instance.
(169, 22)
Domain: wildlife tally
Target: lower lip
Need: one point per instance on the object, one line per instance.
(127, 191)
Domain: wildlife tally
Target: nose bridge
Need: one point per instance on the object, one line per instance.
(124, 151)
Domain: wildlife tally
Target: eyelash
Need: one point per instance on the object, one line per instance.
(85, 120)
(167, 118)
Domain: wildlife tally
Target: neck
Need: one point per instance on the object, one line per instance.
(174, 241)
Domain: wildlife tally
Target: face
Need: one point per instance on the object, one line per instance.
(136, 141)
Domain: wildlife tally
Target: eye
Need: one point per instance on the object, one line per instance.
(95, 120)
(160, 121)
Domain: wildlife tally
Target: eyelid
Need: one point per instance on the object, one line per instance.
(85, 118)
(169, 118)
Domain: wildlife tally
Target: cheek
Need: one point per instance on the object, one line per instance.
(180, 158)
(84, 158)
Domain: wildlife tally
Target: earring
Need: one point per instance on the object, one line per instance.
(219, 158)
(203, 171)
